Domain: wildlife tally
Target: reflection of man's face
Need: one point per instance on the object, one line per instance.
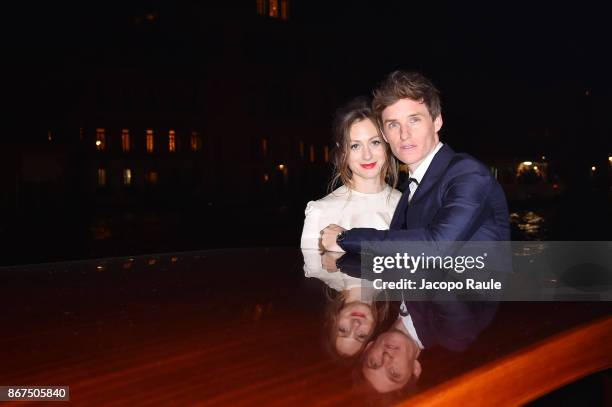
(354, 327)
(390, 361)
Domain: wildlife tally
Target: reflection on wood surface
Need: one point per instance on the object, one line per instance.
(244, 327)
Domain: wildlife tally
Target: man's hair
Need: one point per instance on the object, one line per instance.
(406, 85)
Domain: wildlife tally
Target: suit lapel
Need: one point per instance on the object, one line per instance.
(434, 172)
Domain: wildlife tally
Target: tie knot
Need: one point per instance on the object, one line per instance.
(407, 183)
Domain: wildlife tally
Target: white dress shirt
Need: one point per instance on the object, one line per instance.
(419, 173)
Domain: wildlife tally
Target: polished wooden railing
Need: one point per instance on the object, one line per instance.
(529, 373)
(244, 327)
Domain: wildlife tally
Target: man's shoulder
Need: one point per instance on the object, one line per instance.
(462, 163)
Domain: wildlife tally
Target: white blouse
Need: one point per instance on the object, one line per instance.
(349, 209)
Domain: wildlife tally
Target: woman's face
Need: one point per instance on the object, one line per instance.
(367, 153)
(354, 327)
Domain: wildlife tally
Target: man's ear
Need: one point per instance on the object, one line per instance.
(438, 122)
(368, 346)
(417, 369)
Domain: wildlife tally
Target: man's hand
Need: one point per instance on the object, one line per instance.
(328, 238)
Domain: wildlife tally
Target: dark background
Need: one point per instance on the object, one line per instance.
(519, 81)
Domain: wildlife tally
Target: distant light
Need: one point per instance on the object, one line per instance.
(266, 177)
(98, 142)
(535, 167)
(527, 163)
(151, 262)
(281, 166)
(587, 93)
(543, 157)
(49, 135)
(100, 267)
(610, 159)
(555, 186)
(174, 259)
(593, 168)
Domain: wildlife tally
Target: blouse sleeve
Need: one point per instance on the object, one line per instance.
(311, 234)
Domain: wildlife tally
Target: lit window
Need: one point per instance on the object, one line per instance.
(302, 149)
(264, 147)
(284, 9)
(196, 141)
(261, 8)
(312, 155)
(326, 153)
(100, 139)
(125, 140)
(127, 177)
(171, 141)
(273, 10)
(494, 171)
(151, 177)
(101, 177)
(149, 141)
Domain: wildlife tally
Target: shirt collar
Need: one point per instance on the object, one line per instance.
(422, 168)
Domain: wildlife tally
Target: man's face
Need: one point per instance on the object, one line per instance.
(390, 362)
(410, 131)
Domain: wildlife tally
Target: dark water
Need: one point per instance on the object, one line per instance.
(43, 237)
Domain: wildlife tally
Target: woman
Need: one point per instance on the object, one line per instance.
(363, 164)
(353, 313)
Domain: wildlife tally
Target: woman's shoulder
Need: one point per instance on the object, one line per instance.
(394, 196)
(338, 195)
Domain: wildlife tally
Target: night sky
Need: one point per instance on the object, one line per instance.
(512, 75)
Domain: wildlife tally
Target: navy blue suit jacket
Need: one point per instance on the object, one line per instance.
(451, 323)
(458, 199)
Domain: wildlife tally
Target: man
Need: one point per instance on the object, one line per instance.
(450, 197)
(390, 362)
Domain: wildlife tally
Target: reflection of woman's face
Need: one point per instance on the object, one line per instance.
(354, 326)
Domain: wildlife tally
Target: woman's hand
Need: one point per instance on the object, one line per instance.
(328, 238)
(328, 261)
